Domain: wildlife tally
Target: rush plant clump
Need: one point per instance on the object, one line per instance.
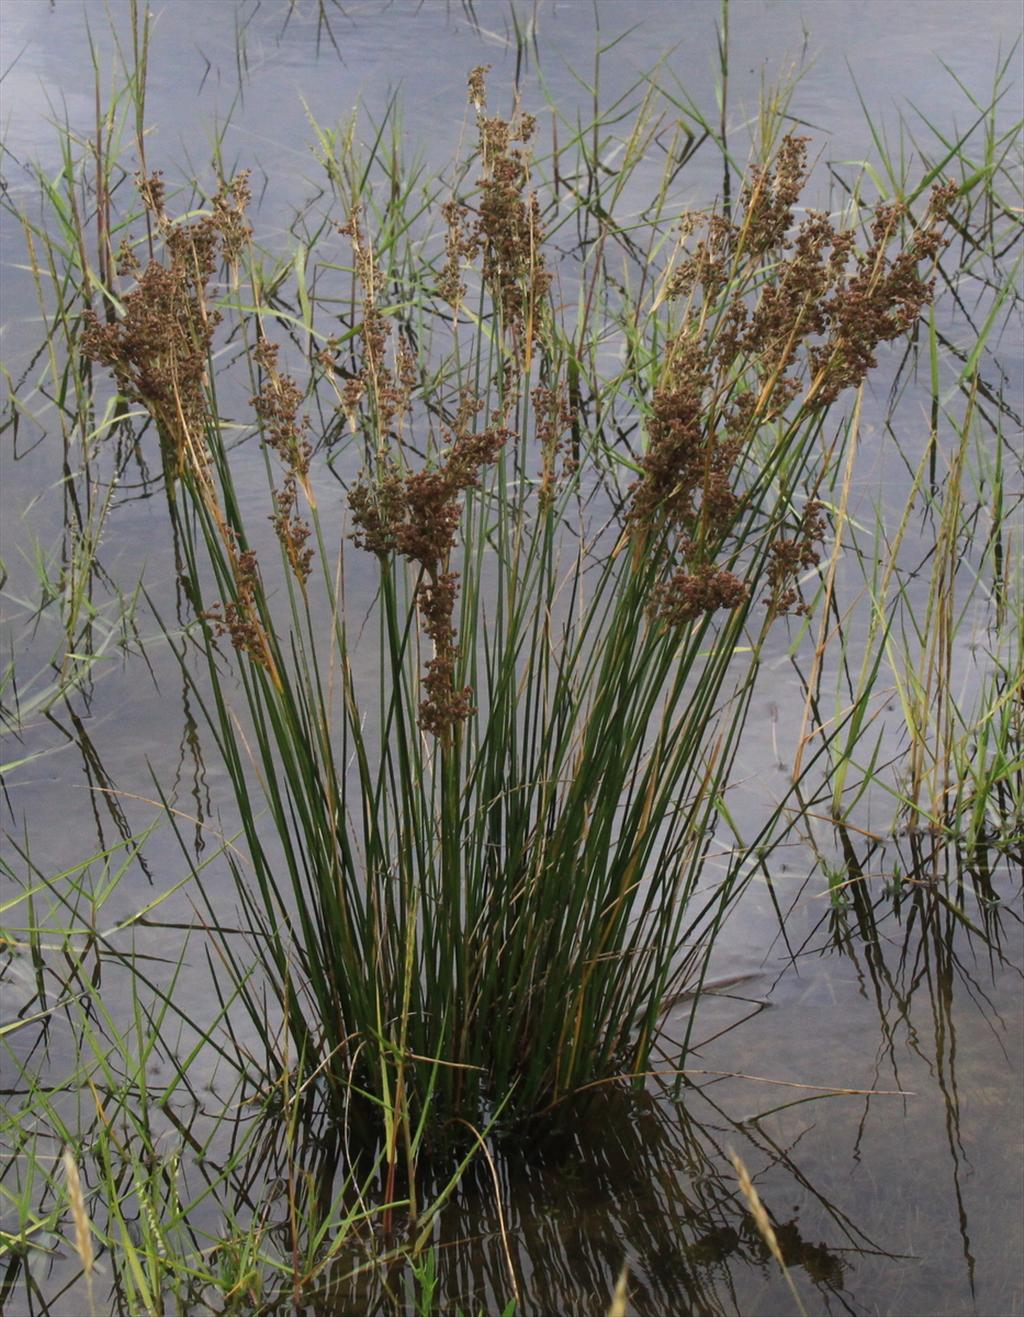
(479, 888)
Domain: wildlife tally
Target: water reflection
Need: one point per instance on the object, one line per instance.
(920, 961)
(639, 1178)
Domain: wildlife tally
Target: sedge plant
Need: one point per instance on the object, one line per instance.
(471, 884)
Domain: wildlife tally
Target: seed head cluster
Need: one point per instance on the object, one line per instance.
(416, 514)
(277, 407)
(505, 226)
(386, 390)
(158, 352)
(159, 347)
(789, 555)
(689, 594)
(553, 417)
(239, 617)
(778, 320)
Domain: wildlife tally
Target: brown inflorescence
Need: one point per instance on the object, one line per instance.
(882, 299)
(158, 352)
(505, 227)
(553, 419)
(478, 86)
(689, 594)
(158, 349)
(416, 515)
(461, 245)
(666, 492)
(445, 704)
(768, 197)
(277, 406)
(739, 363)
(789, 555)
(387, 390)
(239, 618)
(509, 226)
(292, 530)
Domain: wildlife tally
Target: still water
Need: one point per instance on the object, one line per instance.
(866, 1065)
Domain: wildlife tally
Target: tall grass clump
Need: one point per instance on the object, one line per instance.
(471, 883)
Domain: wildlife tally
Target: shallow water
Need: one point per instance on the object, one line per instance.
(898, 1200)
(901, 1202)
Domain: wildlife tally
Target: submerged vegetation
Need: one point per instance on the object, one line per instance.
(489, 505)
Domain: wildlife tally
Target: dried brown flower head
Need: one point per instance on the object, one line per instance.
(478, 86)
(158, 349)
(789, 555)
(386, 391)
(553, 418)
(687, 595)
(240, 618)
(505, 227)
(416, 514)
(780, 318)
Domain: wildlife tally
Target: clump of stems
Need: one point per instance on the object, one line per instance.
(481, 888)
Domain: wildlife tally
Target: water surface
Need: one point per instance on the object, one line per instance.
(901, 1198)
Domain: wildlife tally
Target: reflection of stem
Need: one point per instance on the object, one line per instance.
(100, 783)
(190, 747)
(497, 1203)
(926, 955)
(765, 1144)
